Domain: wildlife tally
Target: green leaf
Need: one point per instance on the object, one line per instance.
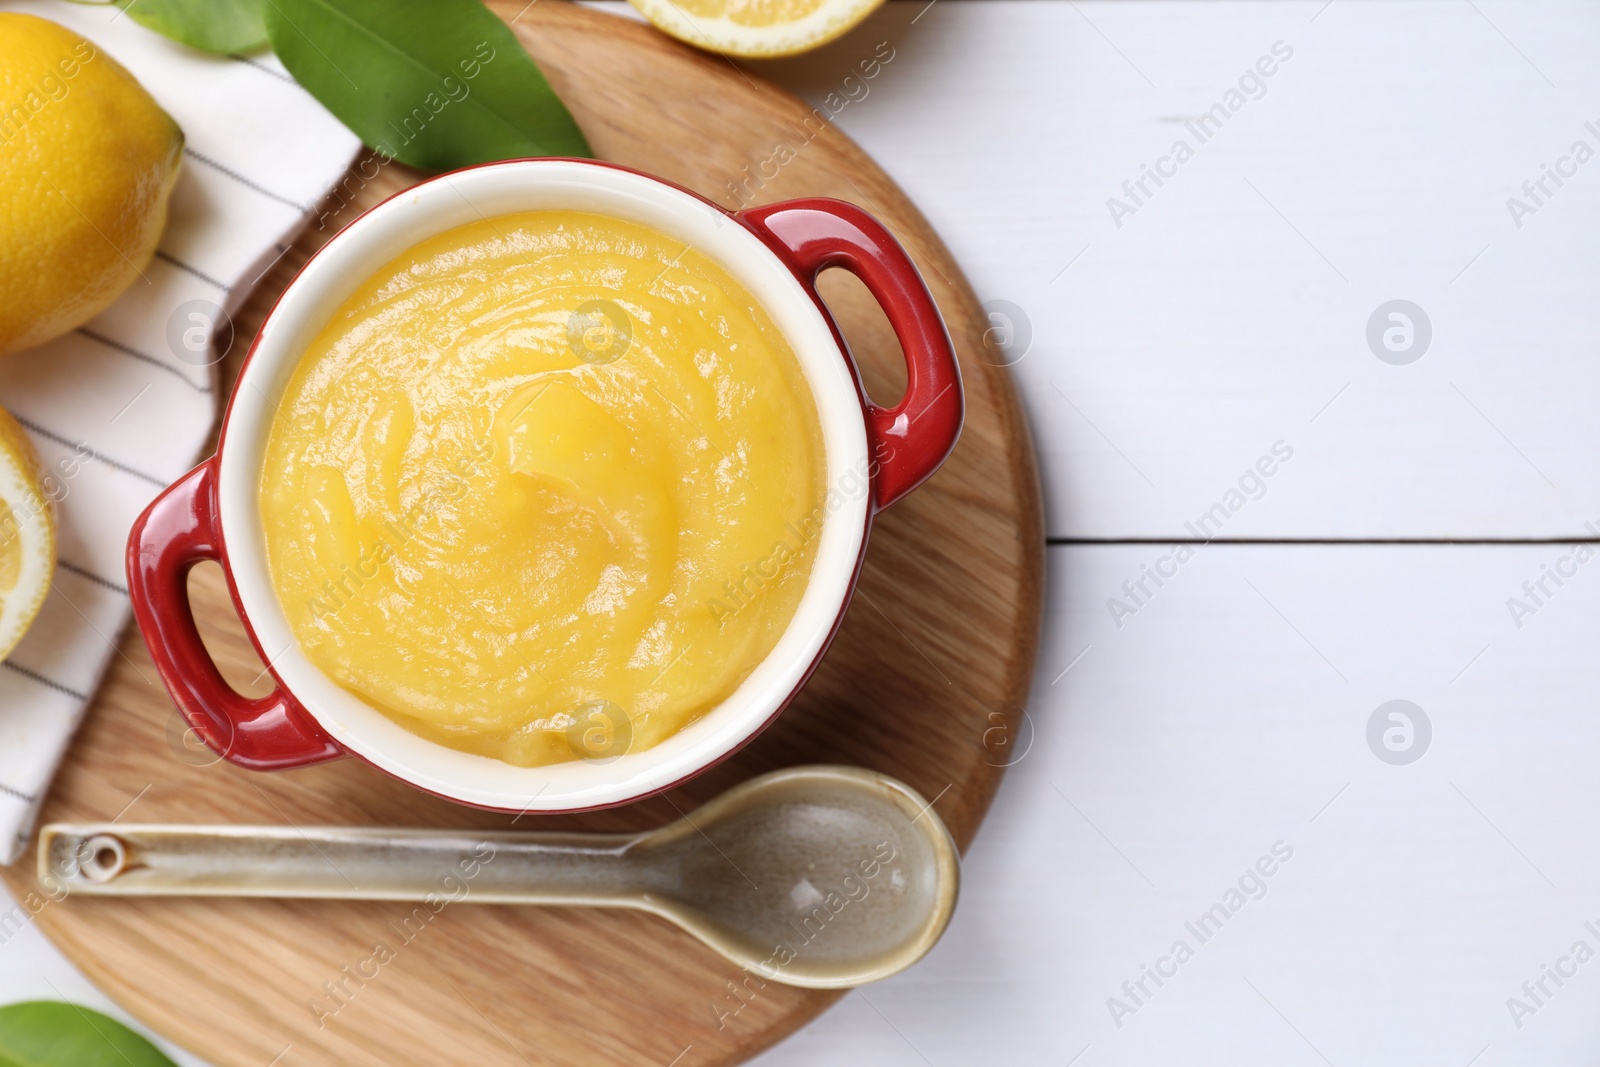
(49, 1033)
(227, 27)
(437, 84)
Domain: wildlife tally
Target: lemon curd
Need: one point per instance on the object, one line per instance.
(547, 486)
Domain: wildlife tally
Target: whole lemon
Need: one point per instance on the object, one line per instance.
(87, 161)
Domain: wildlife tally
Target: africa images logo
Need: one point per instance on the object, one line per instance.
(1252, 885)
(1252, 85)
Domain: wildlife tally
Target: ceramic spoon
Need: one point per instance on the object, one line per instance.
(815, 876)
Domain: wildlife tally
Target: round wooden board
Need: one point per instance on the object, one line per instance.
(925, 682)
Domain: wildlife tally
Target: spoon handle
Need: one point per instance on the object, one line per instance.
(350, 863)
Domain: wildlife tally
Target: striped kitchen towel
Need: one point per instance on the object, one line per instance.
(122, 407)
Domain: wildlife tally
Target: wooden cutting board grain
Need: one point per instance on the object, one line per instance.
(926, 682)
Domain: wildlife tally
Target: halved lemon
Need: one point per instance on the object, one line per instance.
(27, 535)
(759, 29)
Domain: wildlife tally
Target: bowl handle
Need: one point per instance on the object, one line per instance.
(911, 439)
(178, 530)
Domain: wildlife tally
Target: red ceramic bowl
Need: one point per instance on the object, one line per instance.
(874, 456)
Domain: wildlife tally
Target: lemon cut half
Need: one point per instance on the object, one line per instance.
(27, 535)
(756, 28)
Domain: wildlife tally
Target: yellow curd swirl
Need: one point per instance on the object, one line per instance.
(547, 486)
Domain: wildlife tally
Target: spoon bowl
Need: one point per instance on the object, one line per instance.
(823, 876)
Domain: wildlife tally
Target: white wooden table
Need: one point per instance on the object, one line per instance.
(1428, 873)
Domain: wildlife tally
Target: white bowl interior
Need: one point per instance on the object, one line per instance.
(379, 237)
